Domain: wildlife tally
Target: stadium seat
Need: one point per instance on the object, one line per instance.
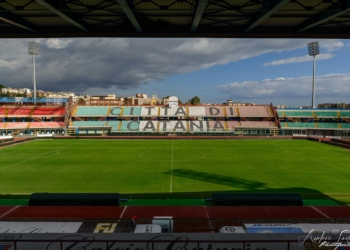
(214, 111)
(328, 125)
(129, 127)
(44, 125)
(217, 126)
(89, 124)
(173, 111)
(49, 111)
(196, 112)
(231, 111)
(114, 125)
(307, 114)
(257, 124)
(91, 111)
(198, 126)
(254, 111)
(326, 114)
(148, 126)
(149, 111)
(132, 111)
(301, 124)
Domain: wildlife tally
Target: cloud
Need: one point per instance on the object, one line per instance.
(331, 46)
(124, 63)
(299, 59)
(334, 87)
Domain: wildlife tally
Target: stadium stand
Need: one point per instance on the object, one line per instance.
(258, 124)
(345, 125)
(298, 113)
(115, 111)
(232, 124)
(326, 114)
(178, 126)
(173, 112)
(149, 111)
(328, 125)
(17, 125)
(214, 111)
(231, 111)
(198, 126)
(148, 126)
(114, 126)
(89, 124)
(345, 114)
(46, 125)
(19, 112)
(131, 111)
(254, 111)
(129, 126)
(217, 126)
(196, 112)
(91, 111)
(3, 112)
(300, 124)
(49, 111)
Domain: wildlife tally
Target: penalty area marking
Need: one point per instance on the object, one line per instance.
(35, 157)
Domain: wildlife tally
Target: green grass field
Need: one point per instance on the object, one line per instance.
(164, 166)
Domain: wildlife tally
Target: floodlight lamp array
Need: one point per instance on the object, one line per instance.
(313, 49)
(33, 48)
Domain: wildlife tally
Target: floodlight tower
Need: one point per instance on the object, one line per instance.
(314, 50)
(33, 49)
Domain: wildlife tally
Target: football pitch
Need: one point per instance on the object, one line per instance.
(176, 166)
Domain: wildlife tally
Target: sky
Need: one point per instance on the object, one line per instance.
(260, 71)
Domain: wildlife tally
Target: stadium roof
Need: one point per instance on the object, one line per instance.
(175, 18)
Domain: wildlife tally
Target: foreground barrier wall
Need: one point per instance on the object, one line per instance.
(151, 241)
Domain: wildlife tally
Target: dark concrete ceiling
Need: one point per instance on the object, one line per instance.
(175, 18)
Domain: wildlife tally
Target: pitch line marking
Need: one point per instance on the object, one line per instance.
(320, 212)
(9, 211)
(211, 226)
(286, 152)
(34, 157)
(121, 216)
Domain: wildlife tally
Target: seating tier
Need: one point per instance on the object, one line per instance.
(43, 111)
(197, 111)
(149, 111)
(298, 113)
(254, 111)
(91, 111)
(89, 124)
(19, 112)
(300, 125)
(46, 124)
(327, 125)
(214, 111)
(131, 111)
(231, 111)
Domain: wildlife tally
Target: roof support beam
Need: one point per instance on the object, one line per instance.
(11, 18)
(66, 15)
(130, 14)
(198, 15)
(264, 13)
(326, 15)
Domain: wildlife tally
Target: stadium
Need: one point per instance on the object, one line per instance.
(172, 176)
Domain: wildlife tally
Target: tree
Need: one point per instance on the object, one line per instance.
(81, 101)
(195, 100)
(1, 87)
